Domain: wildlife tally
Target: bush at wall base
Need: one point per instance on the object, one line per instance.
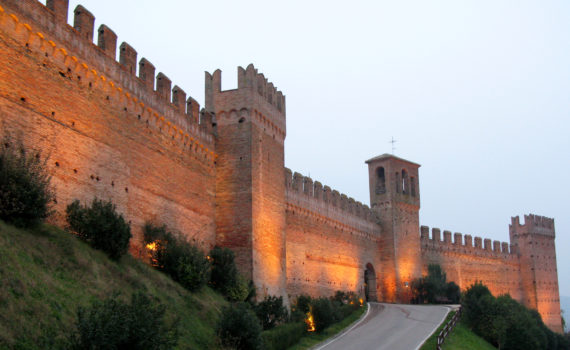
(507, 324)
(239, 328)
(101, 226)
(25, 190)
(182, 261)
(271, 312)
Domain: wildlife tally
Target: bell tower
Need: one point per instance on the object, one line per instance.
(395, 197)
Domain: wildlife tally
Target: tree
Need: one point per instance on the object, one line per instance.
(434, 289)
(452, 292)
(474, 307)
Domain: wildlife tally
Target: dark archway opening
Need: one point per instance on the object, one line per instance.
(380, 181)
(370, 283)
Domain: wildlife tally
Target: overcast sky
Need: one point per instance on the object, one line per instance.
(477, 92)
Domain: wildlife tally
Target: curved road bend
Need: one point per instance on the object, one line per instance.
(391, 327)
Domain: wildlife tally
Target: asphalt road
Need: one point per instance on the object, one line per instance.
(390, 327)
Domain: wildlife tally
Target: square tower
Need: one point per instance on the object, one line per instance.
(534, 245)
(250, 191)
(395, 197)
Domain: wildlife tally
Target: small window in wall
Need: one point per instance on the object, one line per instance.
(397, 182)
(405, 188)
(380, 181)
(413, 186)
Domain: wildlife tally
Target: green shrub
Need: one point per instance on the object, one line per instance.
(433, 288)
(342, 297)
(224, 269)
(474, 307)
(323, 313)
(283, 336)
(239, 328)
(271, 312)
(453, 293)
(113, 324)
(182, 261)
(25, 191)
(505, 323)
(225, 277)
(343, 311)
(304, 303)
(240, 290)
(101, 226)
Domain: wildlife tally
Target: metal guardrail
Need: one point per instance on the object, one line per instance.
(448, 328)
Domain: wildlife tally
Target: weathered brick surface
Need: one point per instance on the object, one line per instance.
(466, 264)
(330, 240)
(250, 207)
(395, 196)
(534, 244)
(218, 175)
(100, 141)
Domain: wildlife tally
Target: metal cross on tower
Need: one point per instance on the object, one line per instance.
(393, 142)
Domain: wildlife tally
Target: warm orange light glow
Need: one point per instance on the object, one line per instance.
(152, 246)
(310, 322)
(361, 301)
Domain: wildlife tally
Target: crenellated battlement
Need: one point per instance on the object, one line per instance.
(44, 29)
(251, 78)
(534, 224)
(463, 244)
(311, 195)
(254, 90)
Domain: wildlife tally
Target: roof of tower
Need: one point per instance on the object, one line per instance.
(386, 156)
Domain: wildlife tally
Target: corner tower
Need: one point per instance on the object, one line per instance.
(250, 192)
(534, 244)
(395, 197)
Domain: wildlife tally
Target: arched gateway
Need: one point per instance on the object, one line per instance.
(370, 283)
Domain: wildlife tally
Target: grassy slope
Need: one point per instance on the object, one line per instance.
(46, 274)
(461, 338)
(314, 338)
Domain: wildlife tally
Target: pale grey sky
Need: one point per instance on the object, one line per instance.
(475, 91)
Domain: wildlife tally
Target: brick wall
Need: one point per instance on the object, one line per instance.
(106, 133)
(525, 268)
(330, 239)
(250, 211)
(465, 263)
(534, 242)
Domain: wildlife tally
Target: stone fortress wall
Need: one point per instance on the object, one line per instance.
(534, 242)
(525, 269)
(466, 261)
(108, 132)
(331, 239)
(218, 176)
